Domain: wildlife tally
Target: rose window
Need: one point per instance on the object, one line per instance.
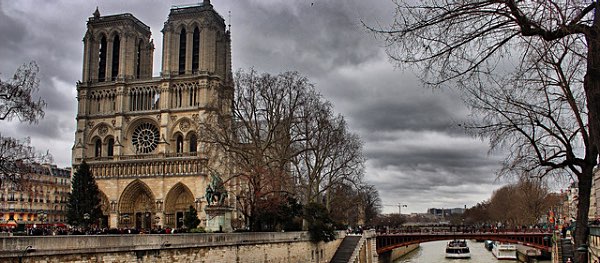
(145, 138)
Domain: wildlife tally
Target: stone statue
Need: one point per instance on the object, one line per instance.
(209, 194)
(215, 191)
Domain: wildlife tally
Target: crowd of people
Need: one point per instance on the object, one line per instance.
(54, 230)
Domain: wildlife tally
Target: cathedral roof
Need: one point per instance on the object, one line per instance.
(98, 20)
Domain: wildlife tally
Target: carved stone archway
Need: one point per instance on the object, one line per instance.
(137, 206)
(178, 202)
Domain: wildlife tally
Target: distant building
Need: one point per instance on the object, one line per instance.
(570, 204)
(594, 211)
(442, 212)
(40, 197)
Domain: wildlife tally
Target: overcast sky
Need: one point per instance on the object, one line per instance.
(417, 154)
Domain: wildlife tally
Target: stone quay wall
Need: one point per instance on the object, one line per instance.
(171, 248)
(396, 253)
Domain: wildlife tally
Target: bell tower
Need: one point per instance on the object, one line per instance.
(116, 47)
(195, 40)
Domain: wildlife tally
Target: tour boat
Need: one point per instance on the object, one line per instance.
(488, 245)
(457, 249)
(504, 251)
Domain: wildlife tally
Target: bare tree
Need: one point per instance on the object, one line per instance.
(328, 154)
(478, 214)
(458, 41)
(281, 139)
(532, 201)
(539, 113)
(17, 101)
(371, 202)
(514, 205)
(502, 206)
(255, 138)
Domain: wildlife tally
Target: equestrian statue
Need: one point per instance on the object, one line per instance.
(215, 191)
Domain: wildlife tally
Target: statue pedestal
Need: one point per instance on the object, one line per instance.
(218, 218)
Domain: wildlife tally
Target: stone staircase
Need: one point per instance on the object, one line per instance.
(565, 250)
(346, 249)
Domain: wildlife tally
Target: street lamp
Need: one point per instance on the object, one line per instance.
(25, 251)
(125, 219)
(86, 219)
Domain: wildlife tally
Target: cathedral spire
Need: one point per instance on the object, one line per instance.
(96, 13)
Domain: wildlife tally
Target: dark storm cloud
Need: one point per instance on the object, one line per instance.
(313, 39)
(13, 32)
(412, 115)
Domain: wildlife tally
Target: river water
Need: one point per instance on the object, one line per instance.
(434, 252)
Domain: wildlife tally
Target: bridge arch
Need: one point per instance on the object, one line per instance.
(386, 243)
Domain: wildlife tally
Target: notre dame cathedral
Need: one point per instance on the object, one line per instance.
(138, 133)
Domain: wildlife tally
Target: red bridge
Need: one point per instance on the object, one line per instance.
(539, 240)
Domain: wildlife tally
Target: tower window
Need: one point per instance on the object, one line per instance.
(102, 60)
(182, 44)
(196, 50)
(115, 57)
(138, 55)
(98, 148)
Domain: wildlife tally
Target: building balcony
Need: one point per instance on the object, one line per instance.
(185, 164)
(135, 157)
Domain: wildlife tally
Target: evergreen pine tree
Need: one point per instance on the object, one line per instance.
(84, 198)
(320, 224)
(191, 221)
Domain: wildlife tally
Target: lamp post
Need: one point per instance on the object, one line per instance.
(25, 251)
(86, 219)
(125, 219)
(582, 253)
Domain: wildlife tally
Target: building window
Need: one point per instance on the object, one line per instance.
(145, 138)
(109, 149)
(98, 148)
(102, 59)
(115, 57)
(182, 46)
(196, 50)
(193, 143)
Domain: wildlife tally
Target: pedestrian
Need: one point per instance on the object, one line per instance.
(569, 260)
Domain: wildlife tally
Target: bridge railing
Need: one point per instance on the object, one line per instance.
(540, 240)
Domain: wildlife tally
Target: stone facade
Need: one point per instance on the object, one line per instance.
(139, 134)
(222, 248)
(41, 197)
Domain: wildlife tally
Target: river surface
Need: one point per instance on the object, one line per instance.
(434, 252)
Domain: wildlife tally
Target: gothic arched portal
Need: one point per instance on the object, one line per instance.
(137, 206)
(178, 201)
